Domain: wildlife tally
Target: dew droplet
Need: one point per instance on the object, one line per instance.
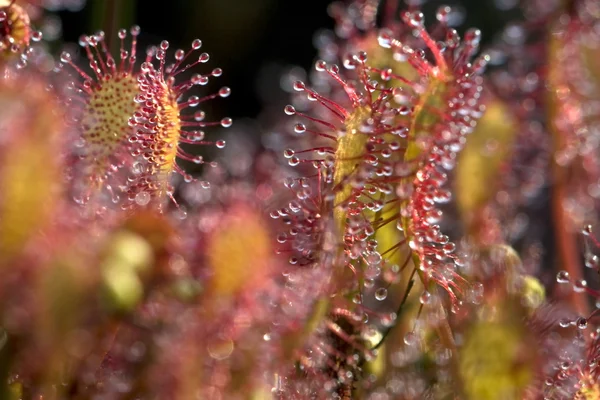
(413, 19)
(410, 339)
(224, 91)
(288, 153)
(442, 13)
(299, 86)
(36, 36)
(385, 39)
(142, 198)
(198, 79)
(289, 182)
(289, 110)
(592, 261)
(373, 258)
(199, 116)
(381, 293)
(204, 57)
(388, 319)
(579, 285)
(180, 213)
(65, 57)
(221, 349)
(473, 37)
(564, 323)
(563, 277)
(299, 128)
(193, 101)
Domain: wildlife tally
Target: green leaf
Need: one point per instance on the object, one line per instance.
(480, 163)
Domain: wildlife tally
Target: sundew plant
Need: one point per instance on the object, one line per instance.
(413, 213)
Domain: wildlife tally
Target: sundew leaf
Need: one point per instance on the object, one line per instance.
(479, 165)
(490, 364)
(382, 59)
(238, 252)
(497, 360)
(350, 149)
(423, 118)
(30, 175)
(28, 194)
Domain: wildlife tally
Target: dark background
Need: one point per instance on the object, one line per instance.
(252, 40)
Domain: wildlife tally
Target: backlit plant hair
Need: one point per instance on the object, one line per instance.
(137, 118)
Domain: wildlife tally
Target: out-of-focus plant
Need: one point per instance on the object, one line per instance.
(403, 257)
